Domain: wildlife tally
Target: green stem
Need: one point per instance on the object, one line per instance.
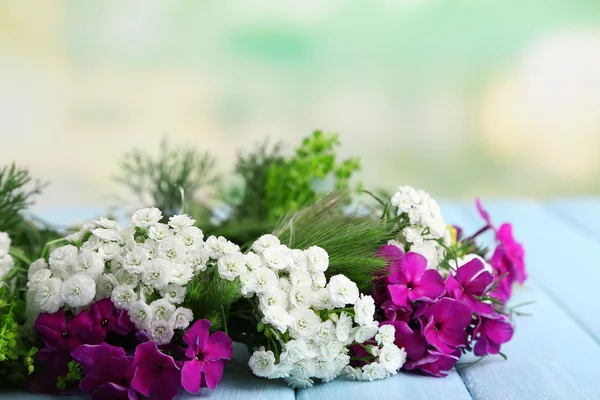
(19, 256)
(224, 319)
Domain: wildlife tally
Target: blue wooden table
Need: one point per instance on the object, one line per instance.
(554, 354)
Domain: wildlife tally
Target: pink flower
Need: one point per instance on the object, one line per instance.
(470, 282)
(58, 334)
(107, 318)
(154, 372)
(207, 356)
(509, 255)
(493, 332)
(411, 281)
(447, 320)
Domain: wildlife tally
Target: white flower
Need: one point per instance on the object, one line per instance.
(413, 234)
(373, 371)
(366, 332)
(108, 235)
(248, 281)
(39, 277)
(301, 296)
(342, 290)
(172, 248)
(36, 266)
(392, 358)
(265, 279)
(125, 278)
(294, 351)
(331, 349)
(276, 316)
(353, 374)
(299, 383)
(116, 264)
(191, 237)
(230, 247)
(341, 361)
(89, 263)
(4, 242)
(281, 371)
(135, 259)
(197, 259)
(262, 363)
(299, 260)
(264, 242)
(78, 290)
(319, 281)
(253, 261)
(123, 296)
(303, 369)
(318, 259)
(104, 223)
(75, 237)
(305, 323)
(364, 309)
(179, 222)
(105, 284)
(174, 293)
(6, 264)
(343, 327)
(146, 217)
(140, 314)
(300, 277)
(386, 335)
(326, 332)
(162, 309)
(231, 266)
(285, 284)
(108, 251)
(145, 292)
(274, 297)
(158, 232)
(181, 318)
(181, 274)
(220, 246)
(157, 273)
(277, 257)
(325, 369)
(151, 246)
(92, 244)
(161, 332)
(322, 300)
(63, 257)
(48, 296)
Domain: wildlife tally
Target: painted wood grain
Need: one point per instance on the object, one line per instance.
(551, 355)
(580, 212)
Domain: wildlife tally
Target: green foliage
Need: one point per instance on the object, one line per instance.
(160, 181)
(290, 183)
(16, 190)
(209, 296)
(351, 240)
(71, 378)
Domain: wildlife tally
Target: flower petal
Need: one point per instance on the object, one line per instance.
(399, 295)
(219, 346)
(213, 372)
(191, 376)
(197, 335)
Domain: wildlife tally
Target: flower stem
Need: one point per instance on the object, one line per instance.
(50, 243)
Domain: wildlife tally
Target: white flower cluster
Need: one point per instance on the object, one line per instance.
(427, 225)
(304, 313)
(6, 261)
(143, 269)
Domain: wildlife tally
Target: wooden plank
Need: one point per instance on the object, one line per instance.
(581, 212)
(550, 356)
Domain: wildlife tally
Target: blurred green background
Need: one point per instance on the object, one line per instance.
(460, 98)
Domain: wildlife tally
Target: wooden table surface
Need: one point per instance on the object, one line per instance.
(554, 354)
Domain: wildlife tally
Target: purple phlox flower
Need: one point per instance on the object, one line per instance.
(437, 364)
(509, 256)
(109, 319)
(154, 372)
(107, 371)
(447, 320)
(57, 333)
(471, 281)
(395, 313)
(412, 281)
(207, 356)
(484, 214)
(493, 332)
